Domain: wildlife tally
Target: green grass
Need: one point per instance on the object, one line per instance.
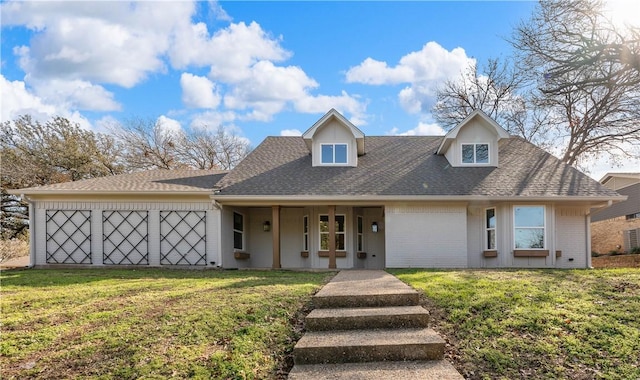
(539, 324)
(130, 324)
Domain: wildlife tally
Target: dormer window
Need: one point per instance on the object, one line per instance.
(334, 153)
(475, 153)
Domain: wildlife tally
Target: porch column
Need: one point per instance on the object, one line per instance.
(275, 236)
(332, 237)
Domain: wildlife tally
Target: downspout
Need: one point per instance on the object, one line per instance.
(218, 207)
(32, 231)
(587, 227)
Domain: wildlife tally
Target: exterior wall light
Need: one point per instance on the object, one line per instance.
(374, 227)
(266, 226)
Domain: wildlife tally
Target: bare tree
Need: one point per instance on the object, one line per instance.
(587, 73)
(149, 144)
(217, 149)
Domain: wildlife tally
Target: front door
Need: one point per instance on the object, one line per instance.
(374, 240)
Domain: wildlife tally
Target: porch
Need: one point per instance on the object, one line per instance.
(303, 237)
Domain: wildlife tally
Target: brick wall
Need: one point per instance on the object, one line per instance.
(607, 234)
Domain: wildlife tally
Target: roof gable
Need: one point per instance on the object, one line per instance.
(328, 118)
(450, 137)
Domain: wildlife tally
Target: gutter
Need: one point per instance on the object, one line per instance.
(385, 199)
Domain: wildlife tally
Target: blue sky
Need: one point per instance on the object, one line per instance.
(257, 68)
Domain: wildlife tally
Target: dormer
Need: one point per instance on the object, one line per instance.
(334, 141)
(473, 142)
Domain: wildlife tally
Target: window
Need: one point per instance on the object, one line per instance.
(529, 227)
(632, 216)
(238, 231)
(490, 225)
(360, 242)
(305, 233)
(475, 153)
(334, 153)
(324, 232)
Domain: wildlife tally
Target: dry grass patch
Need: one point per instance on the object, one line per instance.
(130, 324)
(616, 261)
(538, 324)
(11, 249)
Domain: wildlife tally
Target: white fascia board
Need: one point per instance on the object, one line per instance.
(101, 192)
(239, 200)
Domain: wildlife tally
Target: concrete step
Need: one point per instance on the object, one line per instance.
(349, 346)
(433, 369)
(367, 300)
(367, 318)
(358, 288)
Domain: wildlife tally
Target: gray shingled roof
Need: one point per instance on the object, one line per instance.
(147, 181)
(405, 165)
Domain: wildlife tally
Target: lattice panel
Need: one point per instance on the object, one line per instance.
(125, 238)
(68, 236)
(183, 238)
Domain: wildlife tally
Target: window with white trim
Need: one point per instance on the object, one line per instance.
(238, 231)
(490, 227)
(529, 227)
(333, 153)
(360, 237)
(324, 232)
(475, 153)
(305, 233)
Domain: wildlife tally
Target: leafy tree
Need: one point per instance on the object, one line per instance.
(34, 154)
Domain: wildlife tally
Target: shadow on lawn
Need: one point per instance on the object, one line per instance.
(239, 279)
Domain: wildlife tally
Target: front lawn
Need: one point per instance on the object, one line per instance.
(151, 323)
(536, 324)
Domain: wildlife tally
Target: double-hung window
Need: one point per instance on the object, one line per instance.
(529, 227)
(334, 153)
(324, 232)
(490, 226)
(238, 231)
(475, 153)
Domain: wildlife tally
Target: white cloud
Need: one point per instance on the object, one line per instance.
(77, 48)
(198, 92)
(210, 120)
(104, 42)
(229, 52)
(423, 70)
(423, 129)
(76, 94)
(169, 126)
(290, 132)
(17, 100)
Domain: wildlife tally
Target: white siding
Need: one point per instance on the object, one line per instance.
(477, 131)
(153, 226)
(335, 132)
(426, 236)
(571, 237)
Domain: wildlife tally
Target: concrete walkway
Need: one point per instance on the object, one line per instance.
(367, 324)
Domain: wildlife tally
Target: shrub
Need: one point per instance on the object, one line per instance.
(594, 254)
(635, 250)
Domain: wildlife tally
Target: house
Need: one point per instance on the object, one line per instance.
(334, 198)
(617, 228)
